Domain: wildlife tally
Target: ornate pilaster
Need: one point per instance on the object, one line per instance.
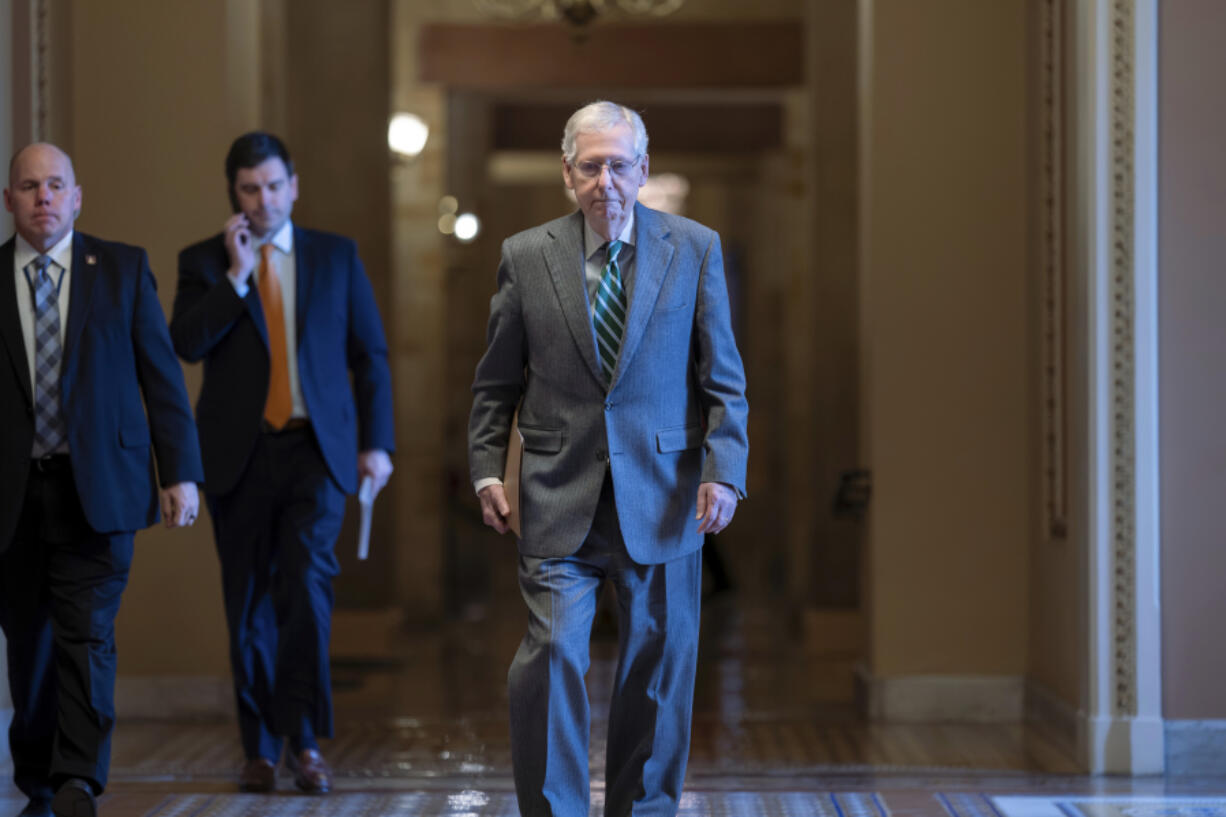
(1117, 131)
(1123, 373)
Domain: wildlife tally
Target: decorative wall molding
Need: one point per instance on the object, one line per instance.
(1053, 260)
(41, 86)
(1123, 375)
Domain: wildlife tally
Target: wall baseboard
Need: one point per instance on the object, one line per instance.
(1195, 747)
(1058, 718)
(174, 697)
(937, 698)
(1052, 722)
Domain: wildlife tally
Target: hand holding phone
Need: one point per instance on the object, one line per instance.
(240, 246)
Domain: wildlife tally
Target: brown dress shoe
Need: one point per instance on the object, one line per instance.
(311, 772)
(258, 775)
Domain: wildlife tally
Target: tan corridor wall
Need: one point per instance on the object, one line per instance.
(948, 395)
(1192, 337)
(157, 94)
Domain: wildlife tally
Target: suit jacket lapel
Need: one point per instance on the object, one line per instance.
(653, 253)
(564, 258)
(10, 320)
(81, 294)
(304, 266)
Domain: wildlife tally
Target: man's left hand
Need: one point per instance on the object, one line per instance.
(716, 505)
(377, 465)
(180, 504)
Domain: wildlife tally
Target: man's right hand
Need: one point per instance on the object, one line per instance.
(240, 247)
(494, 507)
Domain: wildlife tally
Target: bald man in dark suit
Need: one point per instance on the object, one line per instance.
(94, 417)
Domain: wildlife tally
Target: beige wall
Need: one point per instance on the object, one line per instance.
(158, 94)
(825, 416)
(154, 108)
(945, 328)
(334, 100)
(1192, 296)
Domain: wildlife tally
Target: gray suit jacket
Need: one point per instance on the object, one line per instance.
(674, 416)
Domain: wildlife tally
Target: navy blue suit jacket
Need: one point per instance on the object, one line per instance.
(339, 334)
(117, 354)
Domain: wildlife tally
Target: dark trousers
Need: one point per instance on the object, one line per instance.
(60, 585)
(275, 534)
(653, 690)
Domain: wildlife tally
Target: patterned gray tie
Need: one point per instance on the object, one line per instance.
(49, 430)
(609, 314)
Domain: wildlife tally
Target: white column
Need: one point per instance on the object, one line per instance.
(1122, 727)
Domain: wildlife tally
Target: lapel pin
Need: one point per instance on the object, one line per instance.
(91, 259)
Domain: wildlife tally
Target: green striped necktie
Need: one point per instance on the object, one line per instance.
(609, 315)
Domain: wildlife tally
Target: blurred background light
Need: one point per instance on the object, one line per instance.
(467, 226)
(407, 134)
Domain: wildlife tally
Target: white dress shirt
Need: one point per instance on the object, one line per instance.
(283, 263)
(594, 261)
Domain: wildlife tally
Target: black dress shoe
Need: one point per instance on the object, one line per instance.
(74, 799)
(37, 807)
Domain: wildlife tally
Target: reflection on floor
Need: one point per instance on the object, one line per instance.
(422, 731)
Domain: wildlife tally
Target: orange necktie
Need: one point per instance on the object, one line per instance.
(280, 405)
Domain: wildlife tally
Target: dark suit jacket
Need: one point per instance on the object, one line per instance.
(674, 416)
(116, 351)
(339, 332)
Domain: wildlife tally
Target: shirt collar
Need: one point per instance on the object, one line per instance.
(283, 239)
(592, 241)
(61, 253)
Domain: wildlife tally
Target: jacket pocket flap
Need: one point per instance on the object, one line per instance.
(134, 437)
(542, 440)
(680, 438)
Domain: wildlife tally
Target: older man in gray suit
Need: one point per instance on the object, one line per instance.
(610, 331)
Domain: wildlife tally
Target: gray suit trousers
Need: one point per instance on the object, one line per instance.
(653, 691)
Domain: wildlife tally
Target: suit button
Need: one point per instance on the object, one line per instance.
(608, 406)
(601, 455)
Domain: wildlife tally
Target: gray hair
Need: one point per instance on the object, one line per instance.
(599, 116)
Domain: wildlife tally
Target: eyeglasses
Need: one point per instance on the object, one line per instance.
(618, 168)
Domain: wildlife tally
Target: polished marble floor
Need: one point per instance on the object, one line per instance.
(421, 730)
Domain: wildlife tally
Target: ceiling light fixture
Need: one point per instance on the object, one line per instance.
(576, 12)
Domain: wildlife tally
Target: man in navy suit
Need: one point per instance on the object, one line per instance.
(83, 344)
(611, 333)
(282, 317)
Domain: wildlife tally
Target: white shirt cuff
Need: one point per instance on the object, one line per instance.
(482, 484)
(241, 289)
